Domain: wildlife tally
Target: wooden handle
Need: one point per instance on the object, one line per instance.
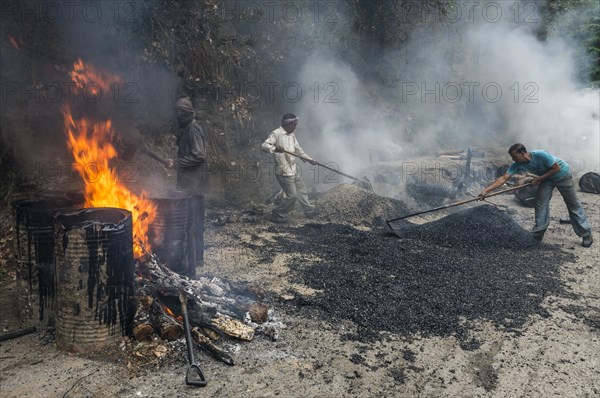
(457, 203)
(320, 164)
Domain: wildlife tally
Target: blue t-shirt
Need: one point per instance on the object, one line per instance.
(541, 162)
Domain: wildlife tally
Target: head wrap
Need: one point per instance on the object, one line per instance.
(185, 111)
(289, 119)
(184, 104)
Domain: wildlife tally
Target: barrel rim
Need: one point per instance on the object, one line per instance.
(42, 204)
(71, 219)
(171, 196)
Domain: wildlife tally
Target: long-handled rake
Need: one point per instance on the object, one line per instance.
(462, 202)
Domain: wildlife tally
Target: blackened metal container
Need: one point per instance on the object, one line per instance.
(94, 278)
(34, 253)
(171, 233)
(526, 195)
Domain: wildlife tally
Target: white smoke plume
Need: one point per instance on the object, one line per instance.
(479, 77)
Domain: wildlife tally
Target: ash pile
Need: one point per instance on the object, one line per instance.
(477, 265)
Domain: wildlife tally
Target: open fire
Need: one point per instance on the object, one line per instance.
(86, 76)
(102, 293)
(16, 44)
(91, 144)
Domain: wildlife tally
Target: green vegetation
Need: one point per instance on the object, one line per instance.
(578, 20)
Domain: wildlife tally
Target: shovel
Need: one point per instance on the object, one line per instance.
(193, 376)
(362, 182)
(455, 204)
(127, 148)
(154, 156)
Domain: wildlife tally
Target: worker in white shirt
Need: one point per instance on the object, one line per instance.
(280, 141)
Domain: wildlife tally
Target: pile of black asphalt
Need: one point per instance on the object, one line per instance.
(437, 279)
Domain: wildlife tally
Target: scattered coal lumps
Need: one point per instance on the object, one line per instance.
(426, 287)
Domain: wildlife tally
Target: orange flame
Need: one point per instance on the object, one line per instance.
(86, 76)
(14, 43)
(172, 314)
(92, 149)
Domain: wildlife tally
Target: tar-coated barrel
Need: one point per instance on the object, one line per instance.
(176, 234)
(34, 255)
(94, 277)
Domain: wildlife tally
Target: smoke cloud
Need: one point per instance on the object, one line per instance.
(478, 77)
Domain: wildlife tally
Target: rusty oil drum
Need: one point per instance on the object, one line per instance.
(34, 254)
(93, 278)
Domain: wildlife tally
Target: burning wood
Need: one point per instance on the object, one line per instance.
(202, 340)
(152, 317)
(170, 329)
(87, 76)
(214, 309)
(96, 253)
(18, 45)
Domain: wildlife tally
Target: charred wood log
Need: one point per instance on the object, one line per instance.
(143, 330)
(170, 329)
(204, 342)
(206, 294)
(18, 333)
(222, 324)
(153, 317)
(232, 327)
(211, 303)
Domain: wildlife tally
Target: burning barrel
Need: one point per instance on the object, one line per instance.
(93, 278)
(176, 234)
(35, 256)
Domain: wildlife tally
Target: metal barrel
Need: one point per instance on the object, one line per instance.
(34, 253)
(526, 195)
(198, 219)
(171, 233)
(94, 278)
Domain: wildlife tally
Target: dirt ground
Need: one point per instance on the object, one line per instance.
(555, 355)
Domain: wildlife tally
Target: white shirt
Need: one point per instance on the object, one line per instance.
(285, 164)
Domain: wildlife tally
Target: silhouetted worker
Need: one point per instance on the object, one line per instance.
(190, 165)
(551, 172)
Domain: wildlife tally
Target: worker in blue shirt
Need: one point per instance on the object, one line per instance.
(551, 172)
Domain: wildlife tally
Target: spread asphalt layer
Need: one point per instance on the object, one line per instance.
(474, 265)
